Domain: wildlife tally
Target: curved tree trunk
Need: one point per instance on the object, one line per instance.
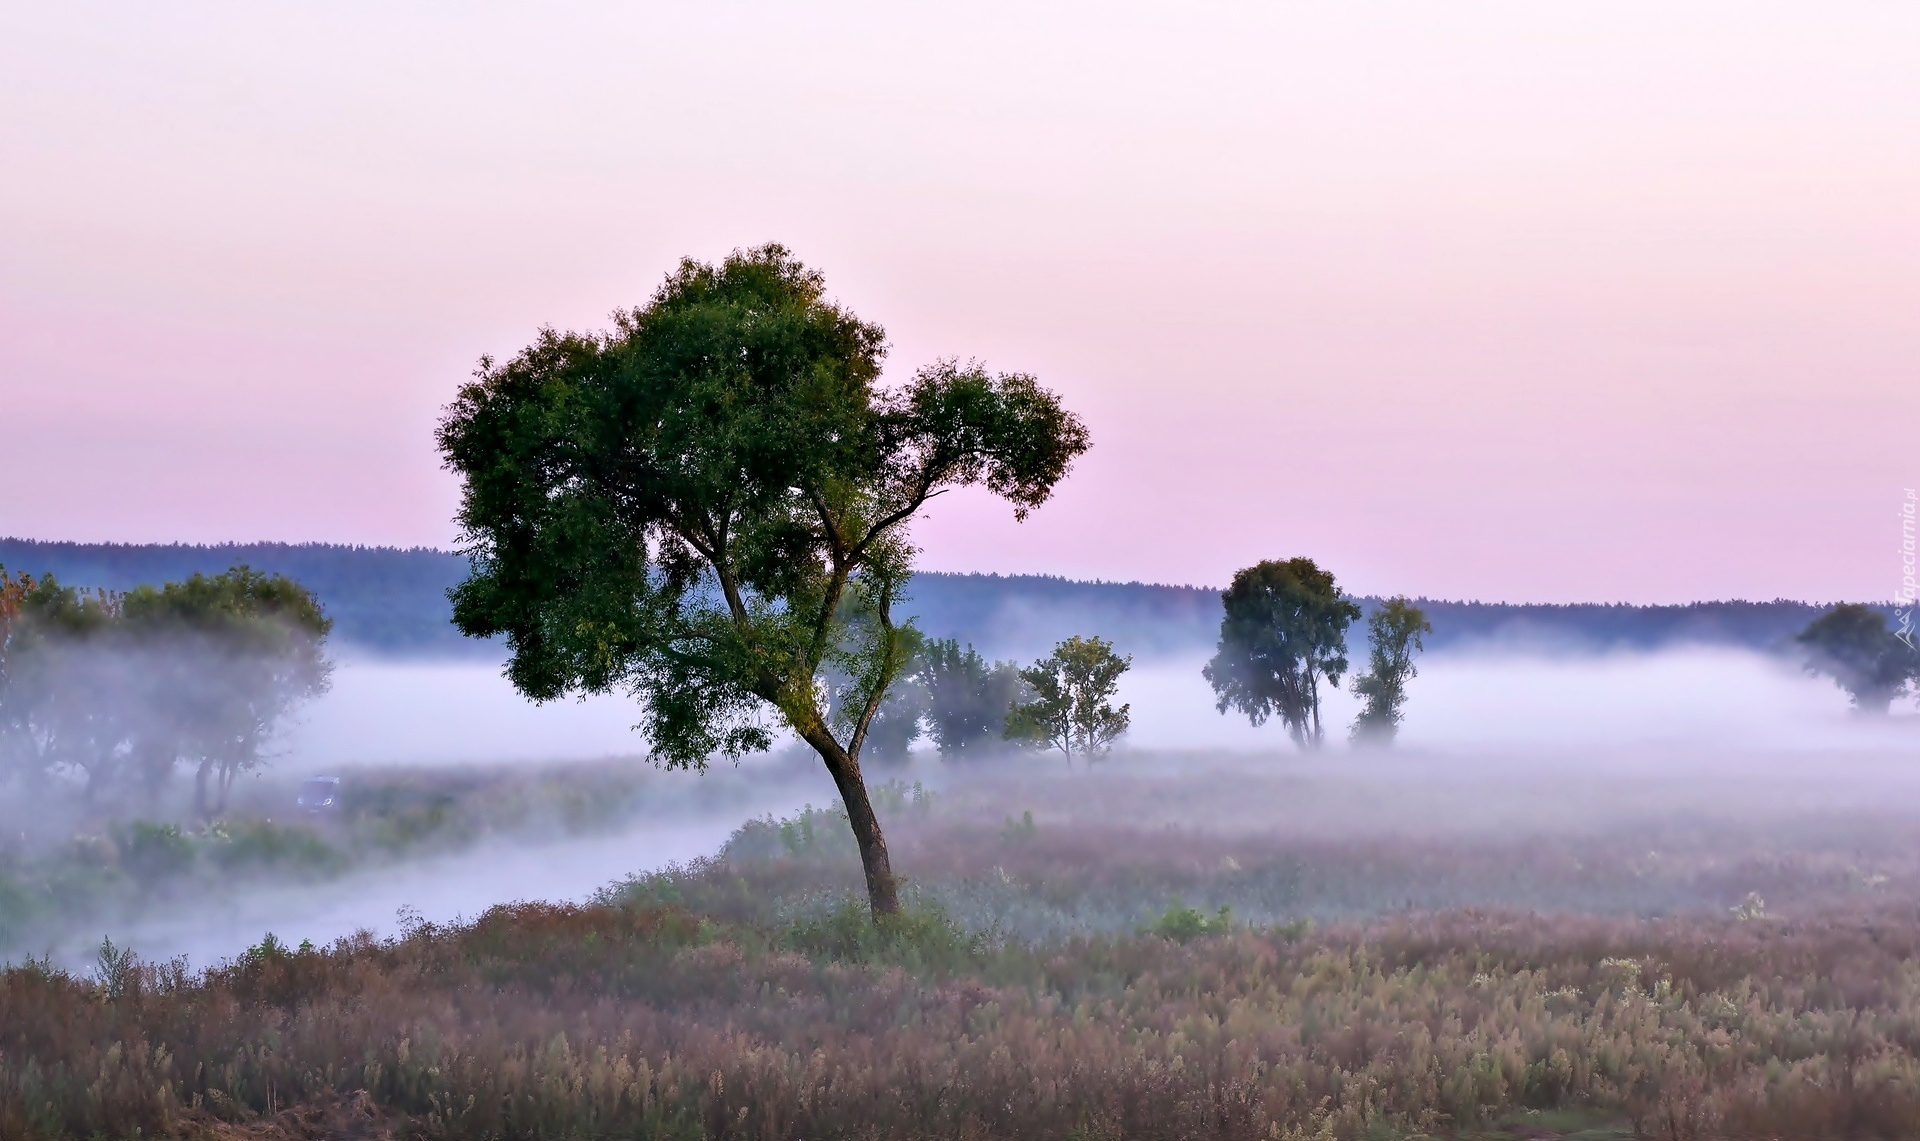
(882, 892)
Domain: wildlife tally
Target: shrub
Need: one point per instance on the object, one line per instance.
(260, 844)
(1183, 924)
(154, 853)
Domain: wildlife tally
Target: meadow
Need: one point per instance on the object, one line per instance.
(1163, 947)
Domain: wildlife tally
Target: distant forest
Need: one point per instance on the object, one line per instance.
(394, 601)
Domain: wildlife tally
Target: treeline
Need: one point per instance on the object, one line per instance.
(394, 600)
(116, 691)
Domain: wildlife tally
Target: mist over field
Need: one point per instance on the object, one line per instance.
(1496, 743)
(439, 712)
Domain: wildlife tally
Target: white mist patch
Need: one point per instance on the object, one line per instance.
(416, 713)
(1714, 697)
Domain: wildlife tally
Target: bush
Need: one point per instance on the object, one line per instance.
(260, 844)
(154, 853)
(1183, 924)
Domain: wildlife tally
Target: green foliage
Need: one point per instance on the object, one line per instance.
(1183, 924)
(154, 853)
(1285, 629)
(1394, 635)
(258, 844)
(1071, 708)
(919, 936)
(708, 507)
(896, 724)
(117, 969)
(123, 688)
(968, 698)
(1851, 644)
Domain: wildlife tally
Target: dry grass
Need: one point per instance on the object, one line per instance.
(609, 1021)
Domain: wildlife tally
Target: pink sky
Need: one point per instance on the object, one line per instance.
(1614, 301)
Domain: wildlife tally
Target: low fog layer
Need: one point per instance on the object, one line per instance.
(1709, 697)
(1494, 746)
(449, 712)
(383, 712)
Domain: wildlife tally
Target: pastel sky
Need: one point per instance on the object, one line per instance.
(1527, 301)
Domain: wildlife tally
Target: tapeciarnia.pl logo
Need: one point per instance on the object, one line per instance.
(1903, 610)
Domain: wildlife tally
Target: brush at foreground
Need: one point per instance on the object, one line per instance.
(609, 1021)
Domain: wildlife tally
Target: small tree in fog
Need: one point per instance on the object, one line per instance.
(709, 505)
(1285, 629)
(226, 658)
(1394, 632)
(968, 698)
(1071, 708)
(1851, 644)
(62, 708)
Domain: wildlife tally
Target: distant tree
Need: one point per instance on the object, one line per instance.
(1285, 628)
(1072, 704)
(1851, 644)
(968, 698)
(1394, 632)
(62, 707)
(709, 504)
(118, 688)
(13, 593)
(226, 658)
(898, 723)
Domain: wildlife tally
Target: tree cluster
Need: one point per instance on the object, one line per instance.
(971, 707)
(1284, 634)
(119, 690)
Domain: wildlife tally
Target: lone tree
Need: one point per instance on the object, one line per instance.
(1394, 632)
(708, 505)
(1852, 645)
(1072, 704)
(1285, 628)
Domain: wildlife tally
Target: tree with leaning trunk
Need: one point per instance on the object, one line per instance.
(707, 507)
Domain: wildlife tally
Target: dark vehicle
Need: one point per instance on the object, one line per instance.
(320, 794)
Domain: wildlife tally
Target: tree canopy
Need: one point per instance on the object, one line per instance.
(968, 698)
(1071, 704)
(1285, 628)
(1851, 644)
(1395, 632)
(122, 688)
(708, 505)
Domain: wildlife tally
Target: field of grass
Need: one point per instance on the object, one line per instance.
(1687, 966)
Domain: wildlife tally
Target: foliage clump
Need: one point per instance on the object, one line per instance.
(1852, 644)
(1071, 704)
(1394, 635)
(1284, 631)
